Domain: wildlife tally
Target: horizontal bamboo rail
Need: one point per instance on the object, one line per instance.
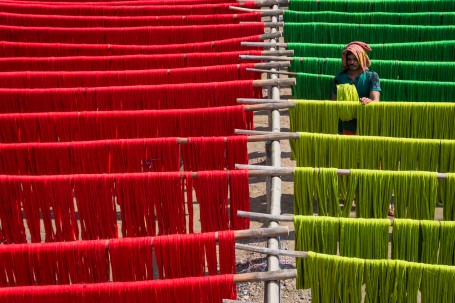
(264, 217)
(273, 65)
(263, 44)
(258, 101)
(269, 251)
(268, 106)
(268, 36)
(257, 70)
(275, 82)
(264, 13)
(287, 171)
(262, 3)
(265, 276)
(267, 58)
(276, 53)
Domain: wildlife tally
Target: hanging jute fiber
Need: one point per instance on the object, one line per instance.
(319, 87)
(370, 152)
(388, 69)
(411, 51)
(389, 119)
(319, 32)
(340, 279)
(421, 18)
(373, 5)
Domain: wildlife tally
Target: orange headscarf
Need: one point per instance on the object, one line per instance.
(358, 49)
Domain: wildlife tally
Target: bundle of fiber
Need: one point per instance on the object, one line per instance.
(212, 196)
(126, 62)
(369, 152)
(422, 18)
(320, 87)
(215, 73)
(373, 5)
(123, 2)
(315, 32)
(150, 204)
(127, 259)
(388, 69)
(19, 49)
(83, 126)
(361, 238)
(145, 35)
(389, 119)
(190, 290)
(89, 157)
(160, 97)
(98, 10)
(422, 51)
(224, 152)
(415, 193)
(110, 21)
(329, 276)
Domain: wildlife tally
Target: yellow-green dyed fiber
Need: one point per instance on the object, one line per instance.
(447, 243)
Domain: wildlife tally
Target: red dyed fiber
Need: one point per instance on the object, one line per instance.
(239, 193)
(127, 259)
(88, 157)
(150, 204)
(126, 62)
(21, 49)
(58, 79)
(153, 97)
(145, 10)
(83, 126)
(224, 153)
(110, 21)
(146, 35)
(212, 196)
(191, 290)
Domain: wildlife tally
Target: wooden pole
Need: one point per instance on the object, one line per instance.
(264, 217)
(235, 301)
(272, 24)
(277, 53)
(263, 44)
(272, 251)
(268, 36)
(273, 65)
(258, 101)
(264, 13)
(252, 132)
(262, 3)
(266, 276)
(273, 137)
(268, 106)
(274, 82)
(260, 233)
(266, 58)
(263, 170)
(270, 72)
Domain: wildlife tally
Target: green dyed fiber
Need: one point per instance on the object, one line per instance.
(448, 196)
(447, 156)
(437, 284)
(422, 18)
(405, 240)
(447, 243)
(373, 5)
(388, 69)
(347, 92)
(411, 51)
(332, 278)
(320, 185)
(366, 152)
(384, 281)
(416, 194)
(319, 87)
(320, 32)
(364, 238)
(429, 241)
(316, 233)
(389, 119)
